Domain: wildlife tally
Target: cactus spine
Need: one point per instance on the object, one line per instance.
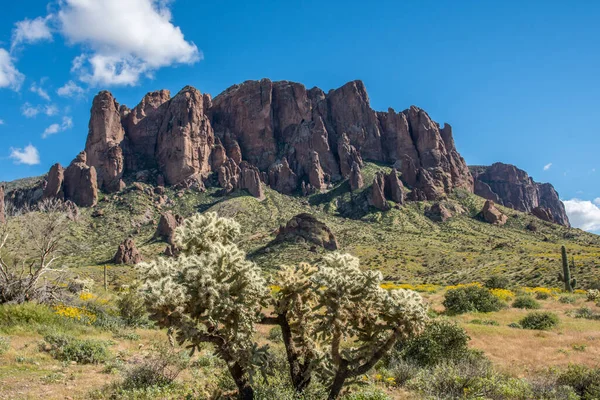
(565, 276)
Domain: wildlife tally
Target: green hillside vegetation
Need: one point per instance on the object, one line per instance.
(402, 243)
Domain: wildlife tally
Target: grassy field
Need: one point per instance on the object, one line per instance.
(29, 371)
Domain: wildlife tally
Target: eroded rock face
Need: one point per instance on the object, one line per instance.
(377, 198)
(492, 215)
(166, 226)
(127, 253)
(310, 229)
(543, 213)
(250, 180)
(282, 178)
(355, 178)
(2, 206)
(80, 183)
(438, 212)
(512, 187)
(103, 145)
(54, 182)
(394, 189)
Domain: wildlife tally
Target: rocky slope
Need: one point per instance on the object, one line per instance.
(512, 187)
(281, 134)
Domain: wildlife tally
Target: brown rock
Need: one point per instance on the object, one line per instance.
(307, 227)
(250, 180)
(185, 138)
(355, 178)
(127, 253)
(316, 177)
(282, 178)
(348, 156)
(218, 155)
(80, 182)
(438, 213)
(2, 206)
(167, 225)
(492, 215)
(103, 145)
(394, 189)
(377, 198)
(229, 176)
(54, 183)
(512, 187)
(543, 213)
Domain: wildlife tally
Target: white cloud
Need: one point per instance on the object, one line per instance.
(127, 39)
(30, 111)
(583, 214)
(29, 155)
(10, 77)
(597, 201)
(31, 31)
(67, 123)
(547, 166)
(70, 89)
(40, 91)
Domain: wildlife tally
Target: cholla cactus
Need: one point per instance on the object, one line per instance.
(337, 304)
(593, 295)
(210, 293)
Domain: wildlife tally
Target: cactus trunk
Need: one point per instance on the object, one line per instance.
(565, 277)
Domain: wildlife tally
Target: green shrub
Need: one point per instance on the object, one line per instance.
(567, 299)
(442, 340)
(132, 309)
(542, 296)
(515, 325)
(497, 282)
(586, 313)
(470, 299)
(489, 322)
(27, 314)
(402, 371)
(584, 380)
(539, 321)
(593, 295)
(160, 368)
(4, 344)
(526, 302)
(83, 351)
(275, 334)
(368, 393)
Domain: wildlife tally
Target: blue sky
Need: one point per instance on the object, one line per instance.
(518, 81)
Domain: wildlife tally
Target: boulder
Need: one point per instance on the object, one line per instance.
(307, 227)
(167, 225)
(492, 215)
(80, 182)
(127, 253)
(54, 183)
(250, 180)
(543, 213)
(438, 212)
(377, 198)
(355, 179)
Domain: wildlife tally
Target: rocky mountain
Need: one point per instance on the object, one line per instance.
(281, 134)
(512, 187)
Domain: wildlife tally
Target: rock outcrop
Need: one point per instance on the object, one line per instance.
(2, 206)
(543, 213)
(54, 182)
(355, 179)
(309, 228)
(377, 198)
(490, 214)
(127, 253)
(512, 187)
(394, 189)
(387, 187)
(80, 183)
(438, 212)
(167, 225)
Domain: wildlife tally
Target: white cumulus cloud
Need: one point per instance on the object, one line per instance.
(547, 166)
(67, 123)
(10, 77)
(31, 111)
(127, 39)
(597, 201)
(584, 214)
(29, 155)
(40, 91)
(31, 31)
(70, 89)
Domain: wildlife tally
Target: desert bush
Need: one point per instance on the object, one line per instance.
(526, 302)
(515, 325)
(593, 295)
(567, 299)
(586, 313)
(80, 285)
(132, 309)
(368, 393)
(471, 299)
(4, 344)
(584, 380)
(402, 370)
(275, 334)
(441, 340)
(497, 282)
(542, 296)
(84, 351)
(12, 315)
(539, 321)
(489, 322)
(160, 368)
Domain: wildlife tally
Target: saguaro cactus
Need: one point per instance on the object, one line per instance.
(565, 276)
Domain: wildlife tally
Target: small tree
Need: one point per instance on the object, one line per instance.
(339, 318)
(30, 255)
(209, 294)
